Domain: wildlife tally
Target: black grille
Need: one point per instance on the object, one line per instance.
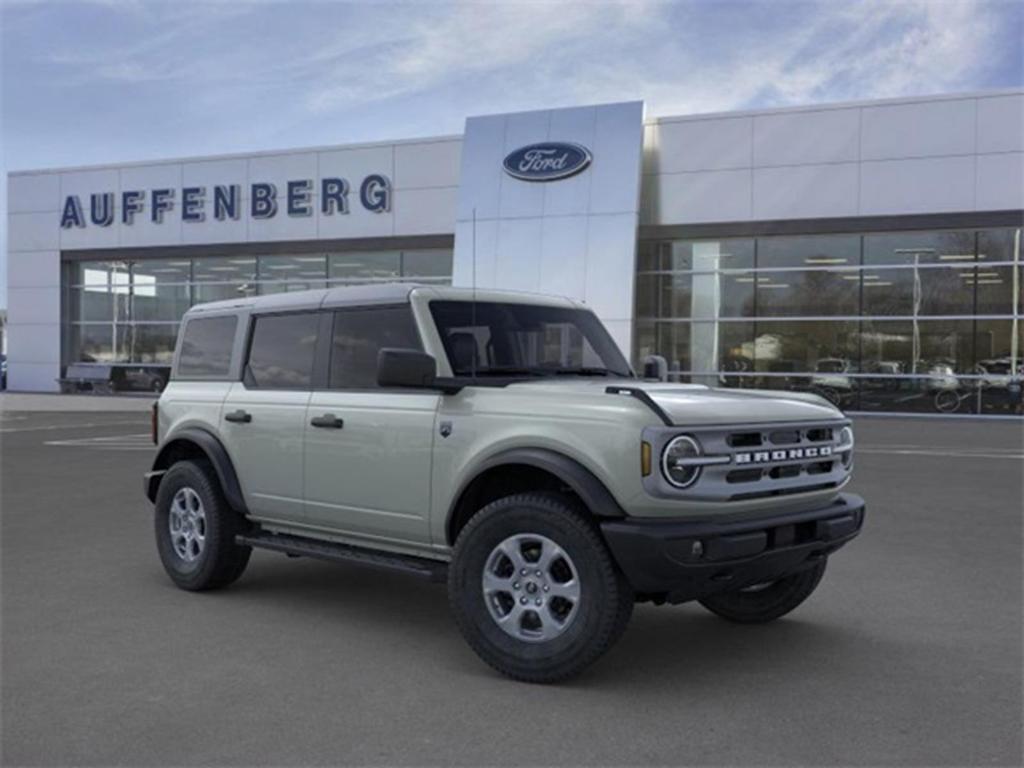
(744, 476)
(820, 467)
(744, 440)
(751, 461)
(787, 437)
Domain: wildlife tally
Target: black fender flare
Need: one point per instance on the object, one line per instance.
(584, 483)
(214, 451)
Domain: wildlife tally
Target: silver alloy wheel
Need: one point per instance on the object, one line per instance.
(187, 523)
(531, 587)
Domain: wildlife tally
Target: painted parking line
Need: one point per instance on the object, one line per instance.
(141, 441)
(946, 454)
(89, 425)
(927, 447)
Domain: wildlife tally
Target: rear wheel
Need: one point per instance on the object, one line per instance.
(761, 603)
(195, 529)
(534, 590)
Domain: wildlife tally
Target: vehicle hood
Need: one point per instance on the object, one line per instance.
(696, 404)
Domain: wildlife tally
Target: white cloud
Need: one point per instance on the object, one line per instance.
(460, 41)
(609, 51)
(161, 41)
(840, 51)
(335, 57)
(254, 74)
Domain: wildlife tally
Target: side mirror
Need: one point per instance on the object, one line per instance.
(655, 367)
(405, 368)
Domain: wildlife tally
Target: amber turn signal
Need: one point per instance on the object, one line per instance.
(645, 458)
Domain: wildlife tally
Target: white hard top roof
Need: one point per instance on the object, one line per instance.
(377, 293)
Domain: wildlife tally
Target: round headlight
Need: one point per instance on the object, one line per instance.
(674, 461)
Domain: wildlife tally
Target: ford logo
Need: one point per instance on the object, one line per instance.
(547, 162)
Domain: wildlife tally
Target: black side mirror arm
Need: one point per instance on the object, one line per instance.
(448, 385)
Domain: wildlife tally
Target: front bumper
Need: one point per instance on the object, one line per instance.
(681, 560)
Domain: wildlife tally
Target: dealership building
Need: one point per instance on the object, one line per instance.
(868, 251)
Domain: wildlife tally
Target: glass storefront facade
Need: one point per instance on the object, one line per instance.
(926, 321)
(127, 312)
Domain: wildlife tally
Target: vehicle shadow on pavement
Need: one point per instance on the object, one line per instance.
(342, 592)
(662, 647)
(665, 646)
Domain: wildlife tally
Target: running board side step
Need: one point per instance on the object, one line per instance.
(300, 546)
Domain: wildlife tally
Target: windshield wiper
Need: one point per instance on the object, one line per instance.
(583, 372)
(541, 372)
(502, 370)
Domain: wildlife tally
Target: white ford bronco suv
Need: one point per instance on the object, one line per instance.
(499, 441)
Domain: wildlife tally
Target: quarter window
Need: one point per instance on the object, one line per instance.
(359, 335)
(281, 352)
(206, 347)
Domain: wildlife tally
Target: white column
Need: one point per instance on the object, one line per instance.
(705, 303)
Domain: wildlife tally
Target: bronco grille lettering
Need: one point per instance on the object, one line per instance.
(764, 457)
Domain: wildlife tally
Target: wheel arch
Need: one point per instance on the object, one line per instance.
(522, 469)
(196, 443)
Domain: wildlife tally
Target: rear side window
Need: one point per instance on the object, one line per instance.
(359, 335)
(206, 347)
(281, 351)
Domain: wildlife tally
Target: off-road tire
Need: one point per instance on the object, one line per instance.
(221, 561)
(769, 603)
(605, 604)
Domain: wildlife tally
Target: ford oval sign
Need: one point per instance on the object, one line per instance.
(547, 162)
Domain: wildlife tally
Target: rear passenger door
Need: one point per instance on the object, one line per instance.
(368, 450)
(263, 417)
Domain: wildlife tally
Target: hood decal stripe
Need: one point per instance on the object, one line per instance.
(644, 398)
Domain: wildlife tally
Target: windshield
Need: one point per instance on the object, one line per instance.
(498, 339)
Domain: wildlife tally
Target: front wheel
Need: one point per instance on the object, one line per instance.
(761, 603)
(534, 590)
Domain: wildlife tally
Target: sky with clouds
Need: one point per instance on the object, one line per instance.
(115, 80)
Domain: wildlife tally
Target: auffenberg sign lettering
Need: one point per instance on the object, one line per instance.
(225, 202)
(547, 162)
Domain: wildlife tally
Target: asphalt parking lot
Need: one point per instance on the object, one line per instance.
(909, 653)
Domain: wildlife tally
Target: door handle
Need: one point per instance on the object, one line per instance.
(327, 421)
(239, 416)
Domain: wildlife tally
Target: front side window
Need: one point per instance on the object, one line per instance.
(206, 347)
(506, 339)
(281, 351)
(358, 337)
